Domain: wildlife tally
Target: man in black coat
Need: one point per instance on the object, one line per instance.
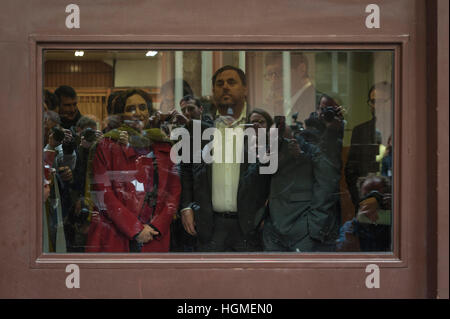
(220, 199)
(302, 213)
(364, 147)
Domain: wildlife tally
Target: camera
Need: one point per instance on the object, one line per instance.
(69, 146)
(297, 127)
(380, 199)
(89, 135)
(328, 113)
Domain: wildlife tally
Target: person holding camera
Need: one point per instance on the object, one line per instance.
(135, 187)
(370, 230)
(364, 147)
(77, 218)
(54, 238)
(301, 214)
(325, 128)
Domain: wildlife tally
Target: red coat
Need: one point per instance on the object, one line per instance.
(121, 179)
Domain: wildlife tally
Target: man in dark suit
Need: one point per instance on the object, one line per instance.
(364, 147)
(302, 214)
(220, 199)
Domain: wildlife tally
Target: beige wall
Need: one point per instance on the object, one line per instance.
(139, 73)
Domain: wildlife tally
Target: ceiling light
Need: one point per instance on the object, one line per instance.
(151, 53)
(79, 53)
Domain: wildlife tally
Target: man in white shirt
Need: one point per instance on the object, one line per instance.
(225, 194)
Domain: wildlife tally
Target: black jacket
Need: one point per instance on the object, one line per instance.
(304, 195)
(361, 157)
(196, 182)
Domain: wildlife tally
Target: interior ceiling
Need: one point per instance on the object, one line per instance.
(96, 55)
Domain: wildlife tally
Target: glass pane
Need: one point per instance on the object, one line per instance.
(217, 151)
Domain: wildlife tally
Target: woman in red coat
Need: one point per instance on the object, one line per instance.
(135, 185)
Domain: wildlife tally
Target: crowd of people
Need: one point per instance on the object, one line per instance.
(115, 188)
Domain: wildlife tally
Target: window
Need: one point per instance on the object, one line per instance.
(319, 181)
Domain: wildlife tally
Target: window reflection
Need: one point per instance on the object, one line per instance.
(136, 151)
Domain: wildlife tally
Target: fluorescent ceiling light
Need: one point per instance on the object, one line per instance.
(79, 53)
(151, 53)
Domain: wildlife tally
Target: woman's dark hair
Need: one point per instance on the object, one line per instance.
(111, 99)
(118, 103)
(264, 114)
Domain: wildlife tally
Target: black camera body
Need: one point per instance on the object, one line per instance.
(328, 113)
(379, 197)
(69, 146)
(297, 126)
(89, 135)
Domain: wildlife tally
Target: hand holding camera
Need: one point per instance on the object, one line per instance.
(332, 115)
(89, 136)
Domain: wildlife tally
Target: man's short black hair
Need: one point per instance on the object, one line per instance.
(230, 67)
(65, 90)
(118, 104)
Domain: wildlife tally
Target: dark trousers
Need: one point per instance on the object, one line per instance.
(274, 241)
(228, 236)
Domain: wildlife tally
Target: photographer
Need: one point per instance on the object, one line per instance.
(370, 230)
(77, 219)
(54, 234)
(325, 127)
(364, 148)
(301, 215)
